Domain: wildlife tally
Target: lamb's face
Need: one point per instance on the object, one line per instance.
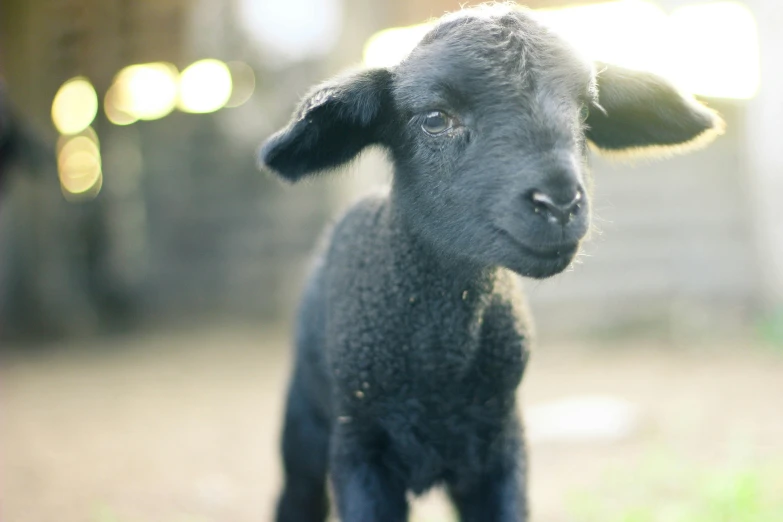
(490, 151)
(486, 122)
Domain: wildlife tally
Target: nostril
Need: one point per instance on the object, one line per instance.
(547, 207)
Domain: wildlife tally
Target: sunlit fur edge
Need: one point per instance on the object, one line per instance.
(656, 152)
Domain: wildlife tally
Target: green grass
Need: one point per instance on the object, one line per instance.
(666, 489)
(770, 328)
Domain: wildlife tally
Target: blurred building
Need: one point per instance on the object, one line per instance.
(185, 227)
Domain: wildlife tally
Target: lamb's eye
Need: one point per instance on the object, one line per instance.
(437, 122)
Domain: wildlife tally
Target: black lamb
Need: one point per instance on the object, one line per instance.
(412, 335)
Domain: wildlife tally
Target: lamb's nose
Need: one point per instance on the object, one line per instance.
(555, 211)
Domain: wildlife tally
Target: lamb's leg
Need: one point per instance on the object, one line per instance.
(364, 489)
(305, 458)
(500, 493)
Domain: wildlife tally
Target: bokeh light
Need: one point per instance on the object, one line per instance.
(388, 47)
(204, 86)
(629, 33)
(142, 92)
(112, 106)
(690, 46)
(243, 83)
(75, 106)
(709, 49)
(292, 31)
(79, 166)
(718, 49)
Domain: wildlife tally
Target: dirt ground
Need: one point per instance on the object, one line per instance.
(184, 427)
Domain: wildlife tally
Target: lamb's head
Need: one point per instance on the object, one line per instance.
(487, 123)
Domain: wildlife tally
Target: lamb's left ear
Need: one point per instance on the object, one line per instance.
(331, 126)
(642, 110)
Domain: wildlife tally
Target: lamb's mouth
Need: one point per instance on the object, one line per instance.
(560, 252)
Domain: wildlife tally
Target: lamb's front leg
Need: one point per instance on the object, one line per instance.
(499, 494)
(364, 489)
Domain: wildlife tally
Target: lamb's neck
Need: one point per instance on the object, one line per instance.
(448, 299)
(454, 273)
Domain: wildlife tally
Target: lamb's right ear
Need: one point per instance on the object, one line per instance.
(331, 126)
(643, 113)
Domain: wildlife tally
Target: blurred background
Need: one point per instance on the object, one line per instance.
(149, 273)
